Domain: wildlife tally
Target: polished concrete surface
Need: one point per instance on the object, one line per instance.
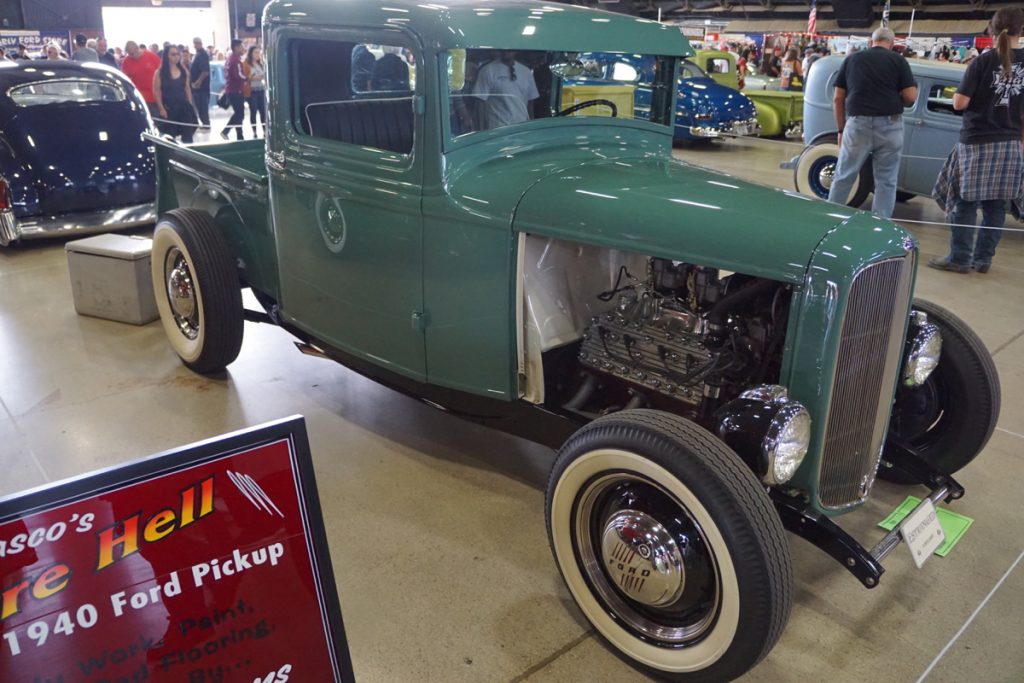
(436, 526)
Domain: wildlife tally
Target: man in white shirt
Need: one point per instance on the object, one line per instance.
(506, 87)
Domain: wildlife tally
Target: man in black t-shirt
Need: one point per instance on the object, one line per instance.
(872, 88)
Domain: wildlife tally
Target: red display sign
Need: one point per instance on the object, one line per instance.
(205, 564)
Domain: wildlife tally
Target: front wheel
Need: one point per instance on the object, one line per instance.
(816, 169)
(948, 419)
(197, 291)
(669, 546)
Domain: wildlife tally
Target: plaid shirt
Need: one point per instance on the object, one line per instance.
(993, 170)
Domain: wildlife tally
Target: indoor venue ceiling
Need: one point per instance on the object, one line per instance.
(930, 16)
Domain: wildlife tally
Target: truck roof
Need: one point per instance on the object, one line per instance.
(501, 24)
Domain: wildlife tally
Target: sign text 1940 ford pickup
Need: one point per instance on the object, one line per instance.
(716, 361)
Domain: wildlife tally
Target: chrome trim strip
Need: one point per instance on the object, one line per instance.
(8, 227)
(86, 222)
(867, 362)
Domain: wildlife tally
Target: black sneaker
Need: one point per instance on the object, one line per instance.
(224, 134)
(946, 264)
(981, 267)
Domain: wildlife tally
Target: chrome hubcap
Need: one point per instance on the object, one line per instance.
(643, 559)
(646, 560)
(825, 176)
(181, 293)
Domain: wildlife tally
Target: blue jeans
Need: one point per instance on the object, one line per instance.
(881, 138)
(963, 249)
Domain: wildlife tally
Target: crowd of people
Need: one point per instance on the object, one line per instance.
(789, 63)
(174, 80)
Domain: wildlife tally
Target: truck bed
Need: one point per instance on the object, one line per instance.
(227, 180)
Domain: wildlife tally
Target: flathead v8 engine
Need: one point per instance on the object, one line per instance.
(688, 333)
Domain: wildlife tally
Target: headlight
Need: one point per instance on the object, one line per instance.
(786, 442)
(768, 430)
(923, 356)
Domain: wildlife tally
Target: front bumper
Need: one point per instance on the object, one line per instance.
(77, 223)
(812, 525)
(739, 128)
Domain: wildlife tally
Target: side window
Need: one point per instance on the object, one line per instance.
(940, 100)
(360, 93)
(718, 65)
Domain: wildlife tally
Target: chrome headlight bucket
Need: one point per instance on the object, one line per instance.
(768, 430)
(923, 350)
(786, 443)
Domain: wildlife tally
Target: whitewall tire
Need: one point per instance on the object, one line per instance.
(198, 295)
(815, 170)
(669, 546)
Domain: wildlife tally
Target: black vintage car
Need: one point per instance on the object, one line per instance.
(72, 156)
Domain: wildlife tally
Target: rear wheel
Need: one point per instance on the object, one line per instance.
(949, 419)
(197, 290)
(816, 169)
(669, 545)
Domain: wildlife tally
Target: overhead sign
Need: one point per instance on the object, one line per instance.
(35, 41)
(204, 564)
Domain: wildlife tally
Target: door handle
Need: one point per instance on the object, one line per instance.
(275, 161)
(913, 122)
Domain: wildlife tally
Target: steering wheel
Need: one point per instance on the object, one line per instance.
(590, 103)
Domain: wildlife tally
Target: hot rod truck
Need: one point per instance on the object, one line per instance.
(716, 361)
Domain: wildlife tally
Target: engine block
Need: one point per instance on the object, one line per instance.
(657, 347)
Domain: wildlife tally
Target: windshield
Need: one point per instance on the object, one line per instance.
(491, 89)
(67, 90)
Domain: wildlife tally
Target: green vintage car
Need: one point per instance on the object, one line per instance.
(716, 361)
(779, 112)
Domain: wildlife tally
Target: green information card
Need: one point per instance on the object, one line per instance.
(954, 526)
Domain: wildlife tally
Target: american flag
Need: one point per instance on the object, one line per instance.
(812, 18)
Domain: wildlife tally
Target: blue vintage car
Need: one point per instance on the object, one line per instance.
(72, 156)
(704, 108)
(931, 129)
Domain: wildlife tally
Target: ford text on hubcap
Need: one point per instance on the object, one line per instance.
(647, 560)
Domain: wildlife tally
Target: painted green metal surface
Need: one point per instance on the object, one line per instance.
(486, 23)
(664, 207)
(729, 79)
(349, 228)
(812, 341)
(228, 181)
(776, 109)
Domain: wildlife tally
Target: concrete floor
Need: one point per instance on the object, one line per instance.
(468, 591)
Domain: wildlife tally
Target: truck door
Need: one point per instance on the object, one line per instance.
(931, 129)
(346, 190)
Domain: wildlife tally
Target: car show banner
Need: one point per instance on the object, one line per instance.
(35, 41)
(204, 564)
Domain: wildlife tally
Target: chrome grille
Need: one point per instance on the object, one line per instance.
(870, 347)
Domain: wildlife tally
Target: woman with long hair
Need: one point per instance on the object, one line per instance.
(173, 96)
(256, 72)
(792, 75)
(985, 170)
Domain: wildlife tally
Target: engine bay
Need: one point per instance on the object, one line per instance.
(677, 336)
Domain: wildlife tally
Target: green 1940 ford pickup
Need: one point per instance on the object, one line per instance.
(716, 361)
